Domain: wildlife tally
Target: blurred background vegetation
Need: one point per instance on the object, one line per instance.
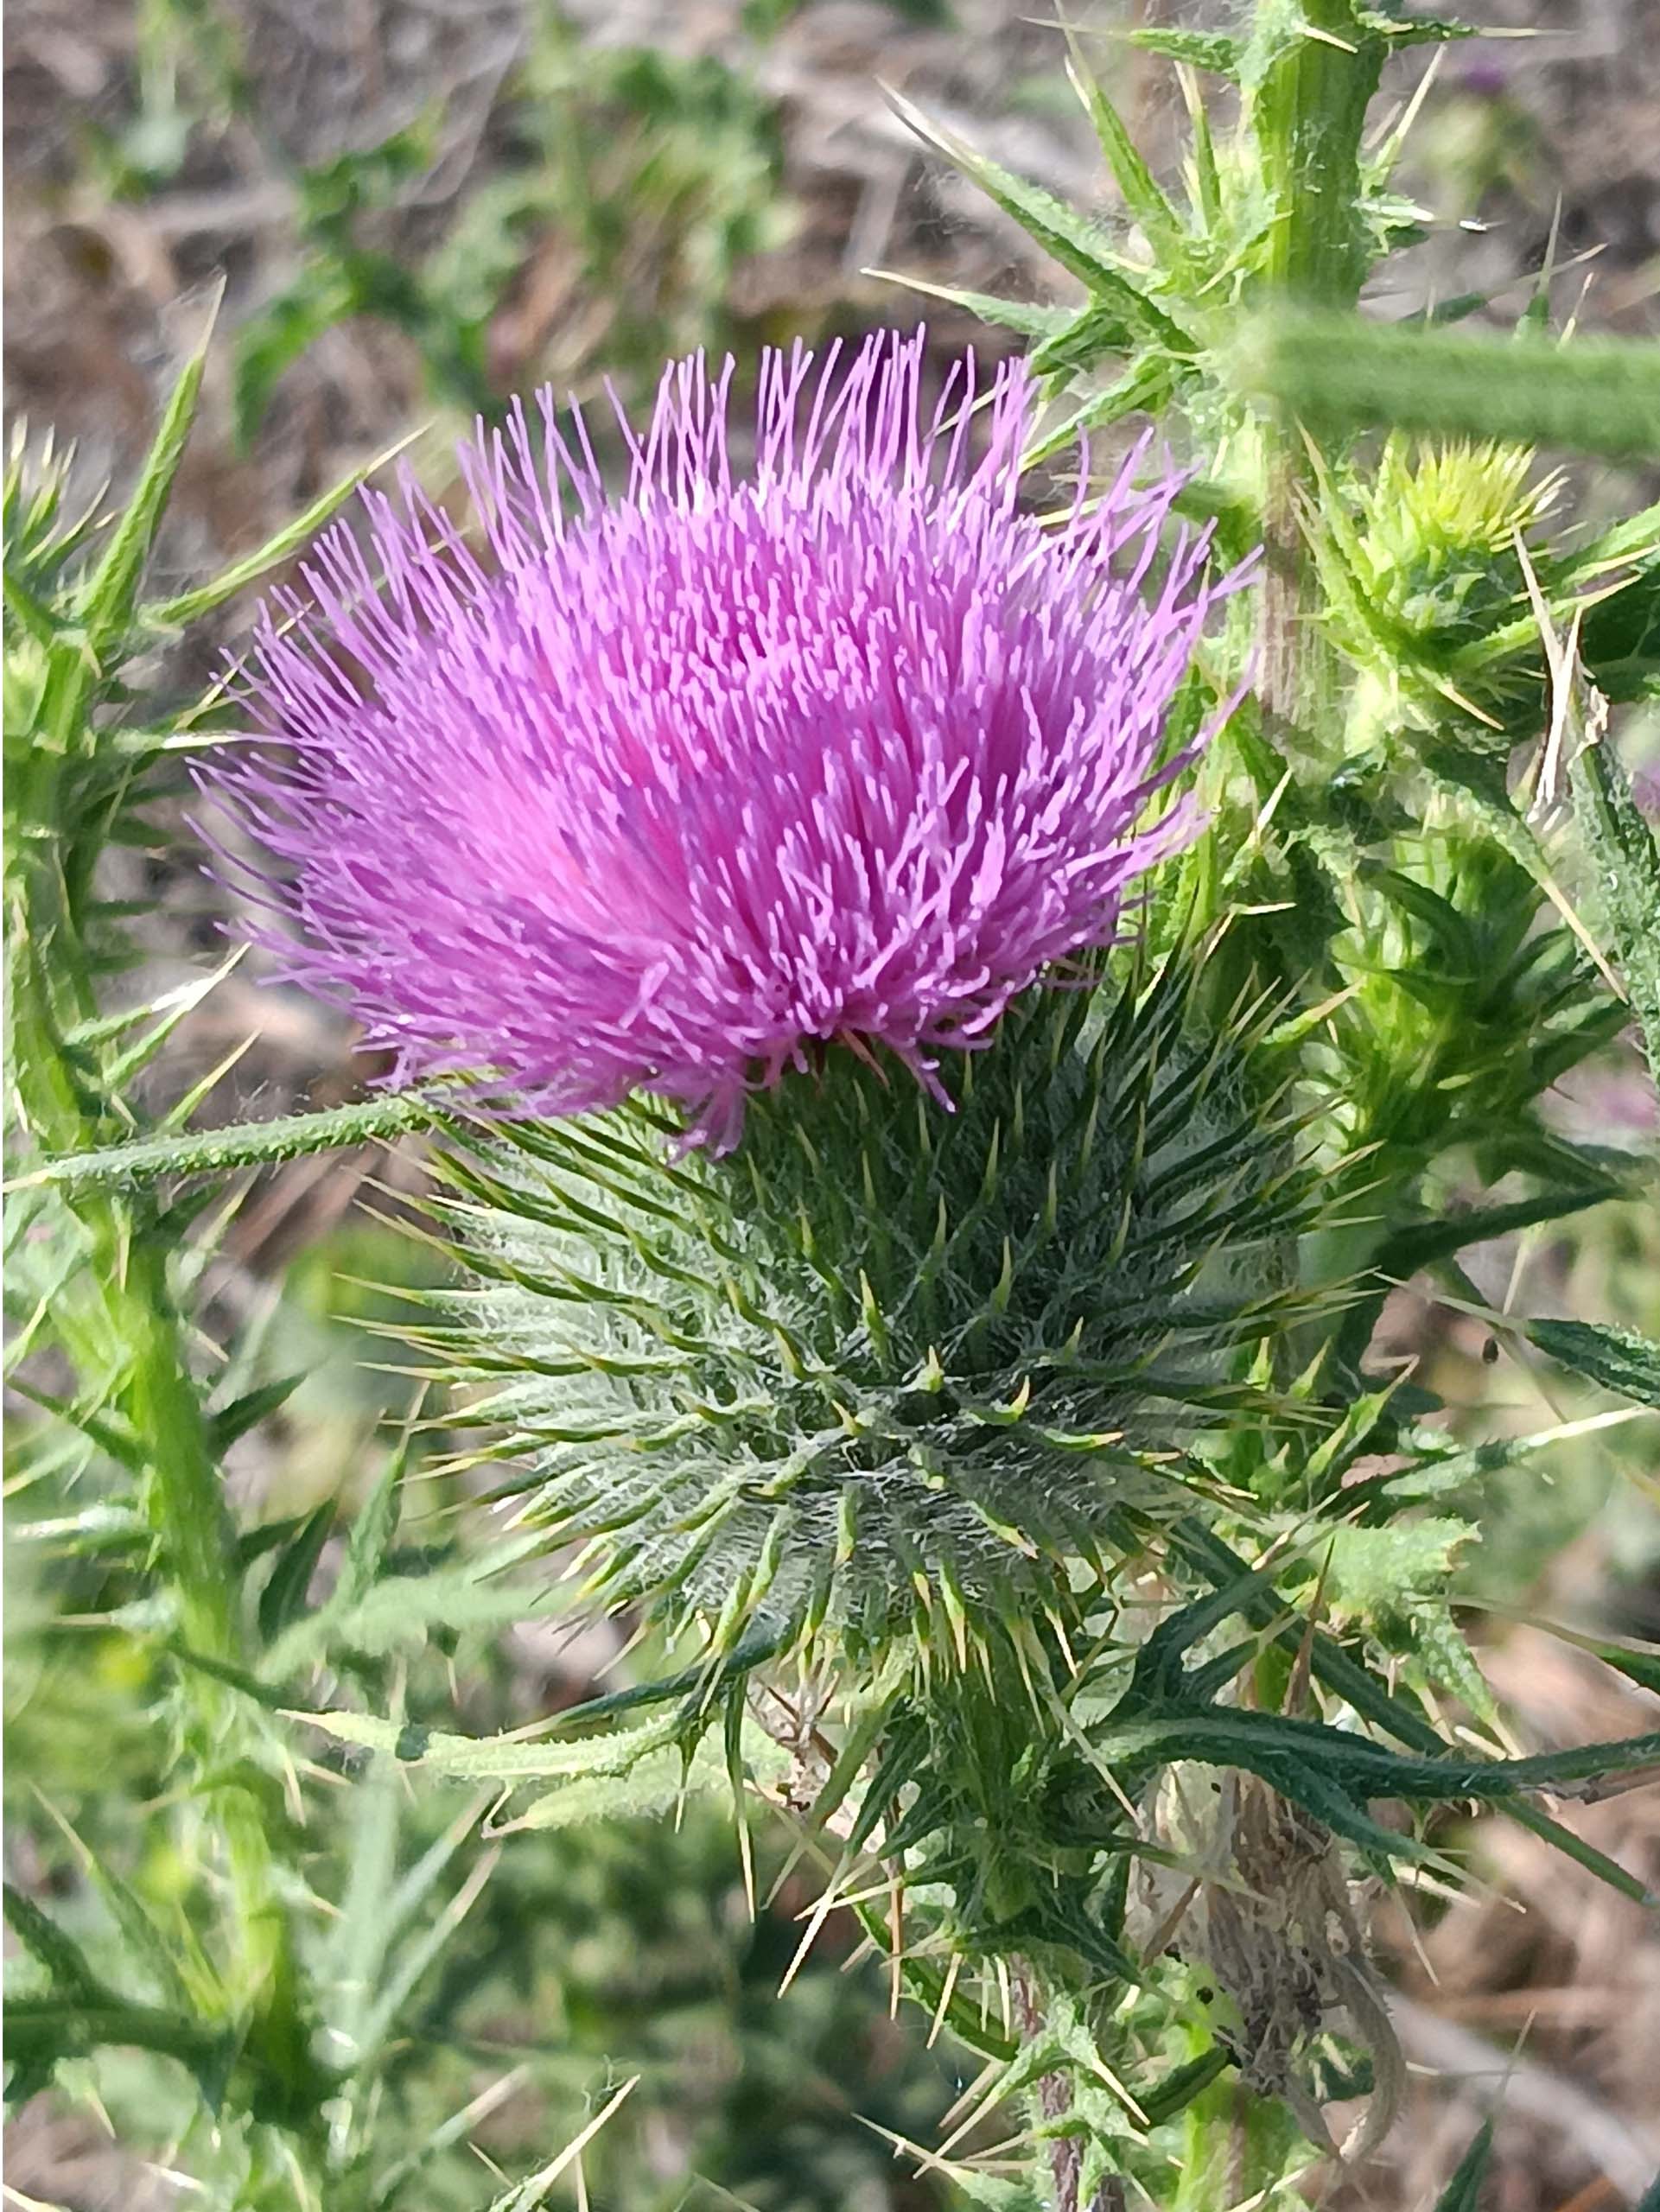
(419, 207)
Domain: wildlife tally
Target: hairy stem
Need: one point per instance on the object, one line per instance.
(1315, 71)
(126, 1324)
(1054, 2100)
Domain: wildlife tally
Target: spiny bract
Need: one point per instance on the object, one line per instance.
(885, 1367)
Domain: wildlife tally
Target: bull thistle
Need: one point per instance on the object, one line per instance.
(778, 829)
(881, 1124)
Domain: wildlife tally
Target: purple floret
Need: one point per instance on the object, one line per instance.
(659, 792)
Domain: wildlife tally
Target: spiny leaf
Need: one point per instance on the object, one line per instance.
(371, 1534)
(248, 1411)
(499, 1758)
(1215, 51)
(1463, 2192)
(1031, 319)
(284, 1594)
(42, 2031)
(1375, 1701)
(110, 593)
(1140, 188)
(1619, 1359)
(1438, 1471)
(47, 1944)
(654, 1783)
(189, 606)
(1065, 236)
(1414, 30)
(474, 1597)
(1411, 1245)
(1372, 1571)
(1627, 877)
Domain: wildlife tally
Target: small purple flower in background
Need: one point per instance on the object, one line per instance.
(657, 792)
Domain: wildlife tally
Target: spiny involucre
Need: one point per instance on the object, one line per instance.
(669, 790)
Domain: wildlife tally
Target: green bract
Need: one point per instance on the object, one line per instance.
(885, 1357)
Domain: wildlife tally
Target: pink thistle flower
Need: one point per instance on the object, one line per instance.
(659, 792)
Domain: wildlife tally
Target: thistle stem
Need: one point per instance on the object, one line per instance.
(129, 1326)
(1054, 2100)
(1316, 69)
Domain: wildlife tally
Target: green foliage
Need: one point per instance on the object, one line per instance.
(1618, 1359)
(884, 1367)
(1463, 2192)
(1018, 1534)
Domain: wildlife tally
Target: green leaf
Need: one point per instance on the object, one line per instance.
(1029, 319)
(1065, 236)
(284, 1596)
(472, 1598)
(1410, 1245)
(1143, 388)
(1626, 874)
(373, 1532)
(247, 1411)
(1142, 194)
(1414, 30)
(106, 605)
(48, 1946)
(189, 606)
(499, 1759)
(169, 1011)
(1096, 331)
(1346, 1677)
(1463, 2192)
(1167, 2098)
(1344, 373)
(654, 1784)
(1640, 1665)
(1437, 1471)
(1435, 1652)
(42, 2031)
(1619, 637)
(1216, 51)
(1376, 1570)
(1619, 1359)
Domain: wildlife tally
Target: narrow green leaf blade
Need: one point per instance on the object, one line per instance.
(246, 1411)
(1136, 183)
(188, 606)
(1065, 236)
(1218, 52)
(283, 1597)
(110, 594)
(1463, 2192)
(1031, 319)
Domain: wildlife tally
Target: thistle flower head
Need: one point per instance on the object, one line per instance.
(666, 791)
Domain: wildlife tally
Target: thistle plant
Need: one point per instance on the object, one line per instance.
(945, 978)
